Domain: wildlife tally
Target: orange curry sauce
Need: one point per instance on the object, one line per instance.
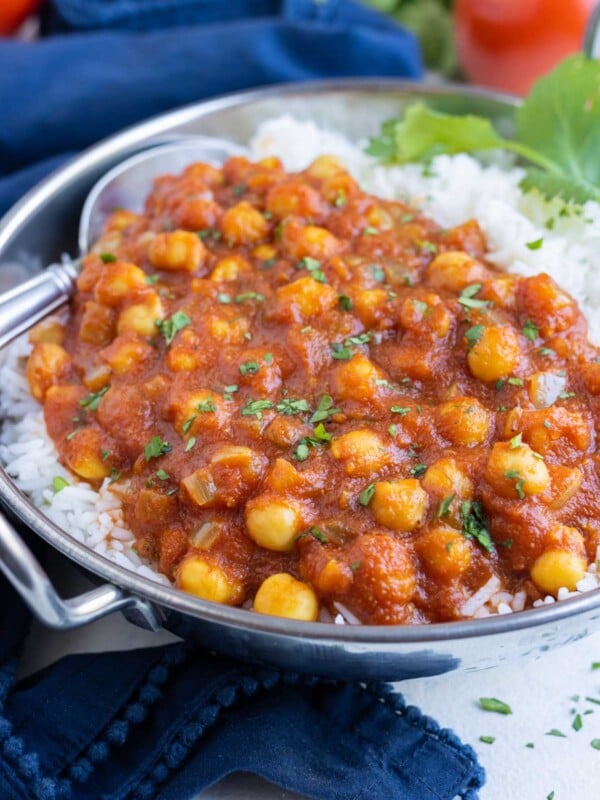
(285, 376)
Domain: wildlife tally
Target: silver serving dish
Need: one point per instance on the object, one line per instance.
(44, 224)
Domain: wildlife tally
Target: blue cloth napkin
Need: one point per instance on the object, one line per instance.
(167, 722)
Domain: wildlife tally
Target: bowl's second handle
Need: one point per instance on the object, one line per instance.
(24, 572)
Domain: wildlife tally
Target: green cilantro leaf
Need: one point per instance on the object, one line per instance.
(92, 401)
(474, 525)
(531, 331)
(325, 409)
(492, 704)
(170, 327)
(365, 497)
(156, 448)
(59, 483)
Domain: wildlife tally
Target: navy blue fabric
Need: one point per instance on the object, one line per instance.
(67, 91)
(167, 722)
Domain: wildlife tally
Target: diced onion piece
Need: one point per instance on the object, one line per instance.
(200, 487)
(545, 388)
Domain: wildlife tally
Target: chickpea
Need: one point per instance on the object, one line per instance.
(495, 354)
(445, 552)
(84, 455)
(281, 595)
(50, 330)
(48, 364)
(141, 318)
(463, 421)
(204, 578)
(294, 198)
(362, 452)
(185, 353)
(325, 167)
(197, 213)
(399, 505)
(356, 379)
(370, 305)
(426, 317)
(230, 268)
(244, 224)
(301, 241)
(444, 478)
(198, 410)
(229, 331)
(118, 280)
(264, 252)
(453, 270)
(97, 324)
(557, 568)
(337, 189)
(177, 251)
(273, 523)
(126, 352)
(306, 297)
(552, 310)
(516, 471)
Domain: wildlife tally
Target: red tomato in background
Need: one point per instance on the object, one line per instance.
(508, 44)
(14, 12)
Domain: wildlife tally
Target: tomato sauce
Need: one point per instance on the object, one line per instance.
(305, 395)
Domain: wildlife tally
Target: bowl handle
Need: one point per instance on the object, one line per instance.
(23, 570)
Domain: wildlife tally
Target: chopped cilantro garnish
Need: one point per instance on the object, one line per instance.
(322, 434)
(531, 331)
(487, 739)
(547, 351)
(59, 483)
(493, 704)
(314, 267)
(190, 443)
(92, 401)
(188, 423)
(105, 454)
(325, 409)
(268, 358)
(170, 327)
(107, 258)
(345, 302)
(206, 406)
(318, 535)
(365, 497)
(513, 475)
(290, 406)
(515, 381)
(249, 368)
(467, 297)
(157, 447)
(473, 335)
(556, 732)
(474, 525)
(268, 262)
(402, 410)
(224, 298)
(162, 475)
(340, 352)
(341, 199)
(241, 298)
(566, 395)
(595, 743)
(535, 245)
(418, 470)
(577, 723)
(209, 233)
(516, 441)
(355, 566)
(254, 408)
(444, 508)
(369, 231)
(393, 430)
(151, 280)
(114, 474)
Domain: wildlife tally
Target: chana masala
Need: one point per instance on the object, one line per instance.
(305, 395)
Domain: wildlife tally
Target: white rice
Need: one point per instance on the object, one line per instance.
(452, 191)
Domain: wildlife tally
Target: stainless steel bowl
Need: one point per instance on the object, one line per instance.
(44, 224)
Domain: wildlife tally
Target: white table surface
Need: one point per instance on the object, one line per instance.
(539, 692)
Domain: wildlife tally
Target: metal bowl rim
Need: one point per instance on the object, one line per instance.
(170, 597)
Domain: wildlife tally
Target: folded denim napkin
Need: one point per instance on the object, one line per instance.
(169, 721)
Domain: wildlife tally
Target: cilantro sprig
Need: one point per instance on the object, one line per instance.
(557, 133)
